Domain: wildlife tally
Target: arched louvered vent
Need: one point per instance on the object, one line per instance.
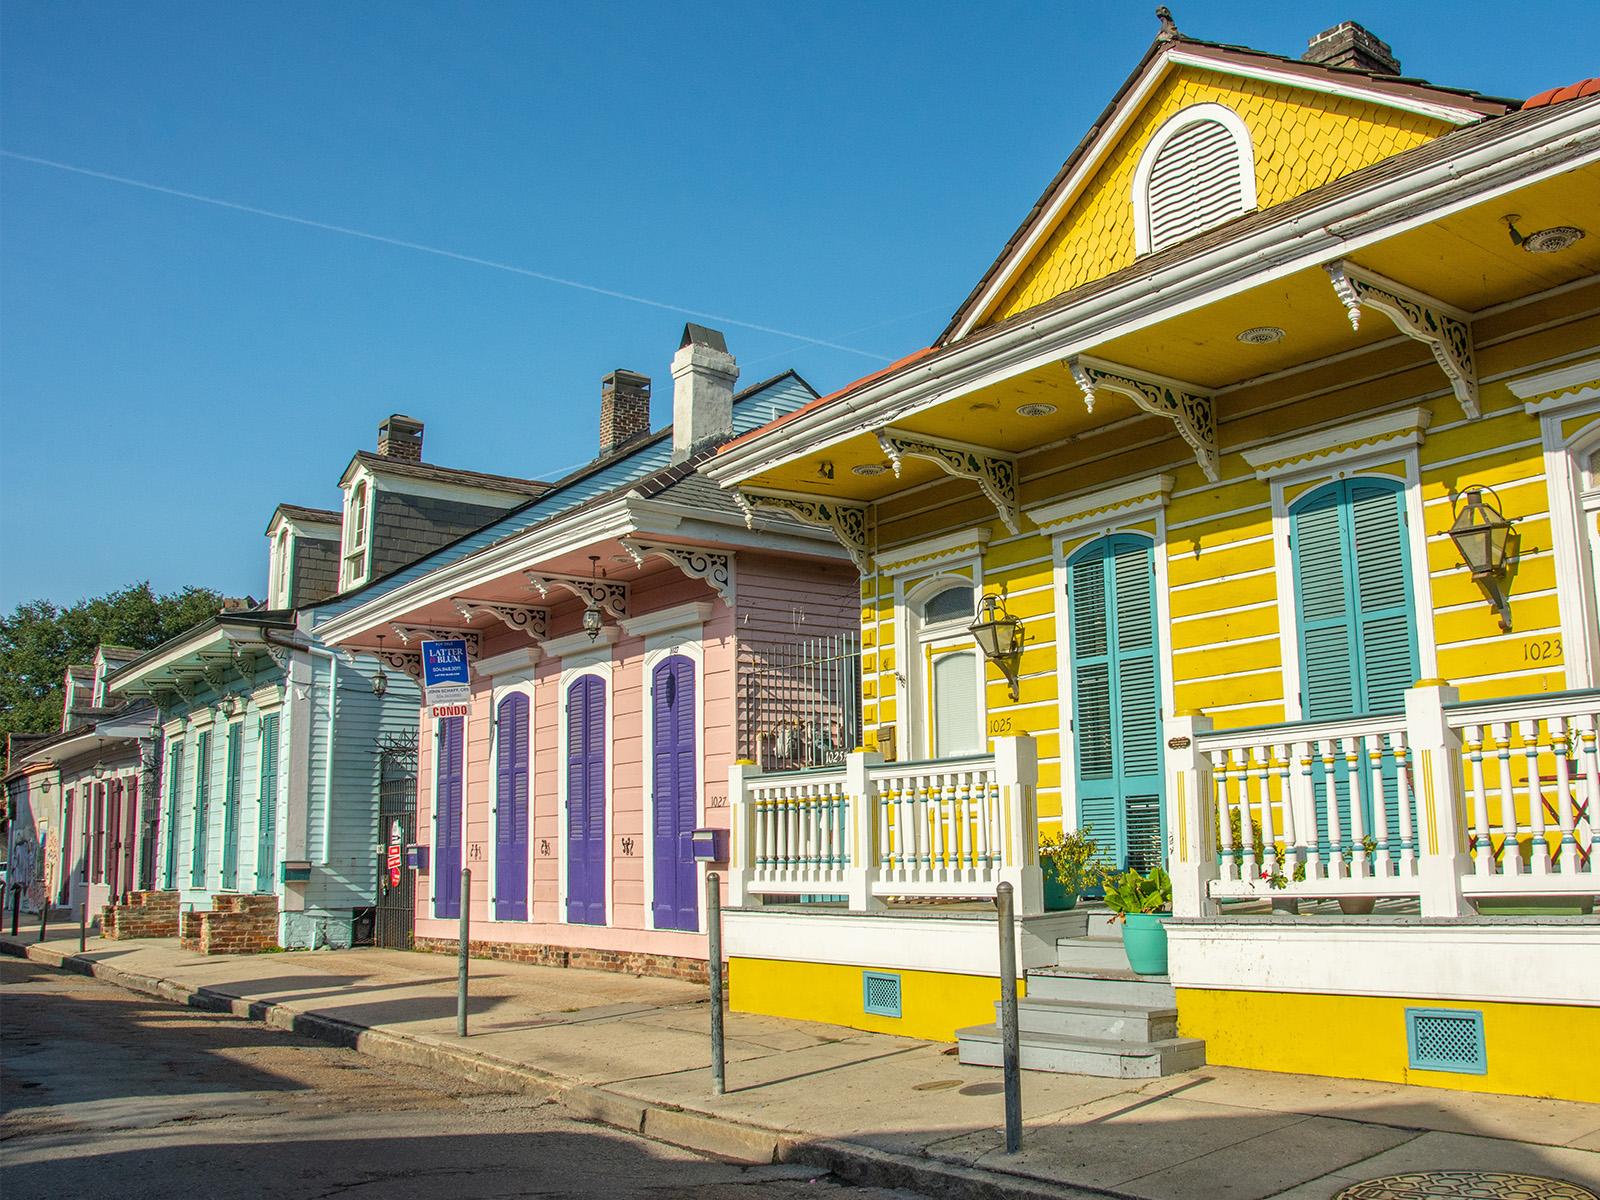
(1198, 179)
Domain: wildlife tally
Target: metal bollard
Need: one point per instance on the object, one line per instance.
(83, 925)
(1010, 1054)
(44, 917)
(461, 966)
(16, 906)
(714, 975)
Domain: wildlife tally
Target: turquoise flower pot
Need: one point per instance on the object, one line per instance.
(1059, 896)
(1144, 939)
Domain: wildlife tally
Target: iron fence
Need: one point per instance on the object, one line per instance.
(800, 701)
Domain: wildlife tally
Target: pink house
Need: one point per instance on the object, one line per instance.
(632, 633)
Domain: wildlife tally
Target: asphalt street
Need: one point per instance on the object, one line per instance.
(106, 1093)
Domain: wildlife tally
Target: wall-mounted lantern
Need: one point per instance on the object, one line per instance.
(999, 636)
(1482, 536)
(380, 681)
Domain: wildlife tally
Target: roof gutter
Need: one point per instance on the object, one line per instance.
(1569, 138)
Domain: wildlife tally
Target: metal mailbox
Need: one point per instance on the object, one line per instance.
(417, 857)
(709, 845)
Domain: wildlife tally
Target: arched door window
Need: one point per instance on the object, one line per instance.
(951, 671)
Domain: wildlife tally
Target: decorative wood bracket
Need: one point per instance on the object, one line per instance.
(605, 594)
(185, 687)
(994, 471)
(1445, 330)
(280, 656)
(847, 521)
(714, 567)
(408, 661)
(1187, 406)
(535, 622)
(433, 633)
(214, 669)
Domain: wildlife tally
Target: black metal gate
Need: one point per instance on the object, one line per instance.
(800, 701)
(397, 828)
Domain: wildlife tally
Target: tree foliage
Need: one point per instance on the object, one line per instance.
(39, 640)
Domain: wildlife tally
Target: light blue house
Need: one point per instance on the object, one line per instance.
(275, 751)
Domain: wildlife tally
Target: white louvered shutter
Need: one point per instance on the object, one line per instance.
(1197, 181)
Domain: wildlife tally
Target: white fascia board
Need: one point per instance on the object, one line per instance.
(695, 528)
(1559, 379)
(519, 552)
(1159, 70)
(1338, 229)
(215, 635)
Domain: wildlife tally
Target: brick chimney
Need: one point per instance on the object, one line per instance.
(703, 375)
(624, 409)
(401, 437)
(1349, 45)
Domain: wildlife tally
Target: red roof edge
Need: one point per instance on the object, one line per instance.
(1560, 95)
(831, 397)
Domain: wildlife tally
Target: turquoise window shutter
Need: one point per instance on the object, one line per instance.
(1116, 706)
(1357, 625)
(267, 821)
(202, 782)
(169, 878)
(230, 812)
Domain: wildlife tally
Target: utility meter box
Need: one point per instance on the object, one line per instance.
(710, 845)
(296, 871)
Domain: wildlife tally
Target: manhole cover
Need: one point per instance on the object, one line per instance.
(1465, 1185)
(935, 1085)
(992, 1088)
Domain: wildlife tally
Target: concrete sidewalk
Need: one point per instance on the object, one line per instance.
(634, 1052)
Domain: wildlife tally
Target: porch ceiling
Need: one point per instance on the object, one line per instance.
(1466, 259)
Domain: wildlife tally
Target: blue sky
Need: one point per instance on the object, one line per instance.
(843, 172)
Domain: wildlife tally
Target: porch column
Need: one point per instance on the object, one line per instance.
(1016, 765)
(741, 834)
(1442, 859)
(861, 872)
(1191, 816)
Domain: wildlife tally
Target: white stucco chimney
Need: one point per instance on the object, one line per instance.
(703, 375)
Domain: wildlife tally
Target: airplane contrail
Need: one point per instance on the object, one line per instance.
(438, 251)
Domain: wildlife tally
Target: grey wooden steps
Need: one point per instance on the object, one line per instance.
(1091, 1015)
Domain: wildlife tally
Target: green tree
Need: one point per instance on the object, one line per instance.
(38, 641)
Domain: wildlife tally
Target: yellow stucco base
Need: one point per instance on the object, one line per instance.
(935, 1004)
(1531, 1049)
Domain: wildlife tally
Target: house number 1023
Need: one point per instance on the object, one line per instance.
(1541, 649)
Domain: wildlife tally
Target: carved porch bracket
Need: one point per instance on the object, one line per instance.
(1187, 406)
(712, 566)
(409, 661)
(535, 622)
(847, 521)
(433, 633)
(605, 594)
(994, 471)
(1445, 330)
(280, 656)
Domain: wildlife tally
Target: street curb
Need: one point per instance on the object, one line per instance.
(714, 1134)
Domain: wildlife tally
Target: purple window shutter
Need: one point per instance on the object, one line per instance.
(511, 810)
(447, 834)
(674, 773)
(586, 801)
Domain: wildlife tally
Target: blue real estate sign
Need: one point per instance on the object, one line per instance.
(446, 682)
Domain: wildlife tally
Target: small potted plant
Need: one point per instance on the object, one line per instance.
(1139, 902)
(1064, 860)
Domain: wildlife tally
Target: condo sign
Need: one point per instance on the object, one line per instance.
(446, 683)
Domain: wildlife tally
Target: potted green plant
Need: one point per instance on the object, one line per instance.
(1139, 902)
(1064, 860)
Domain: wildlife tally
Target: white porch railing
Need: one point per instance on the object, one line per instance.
(1447, 802)
(871, 831)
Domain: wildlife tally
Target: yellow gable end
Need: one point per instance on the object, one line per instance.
(1301, 140)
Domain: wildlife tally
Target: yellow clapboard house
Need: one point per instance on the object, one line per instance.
(1274, 433)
